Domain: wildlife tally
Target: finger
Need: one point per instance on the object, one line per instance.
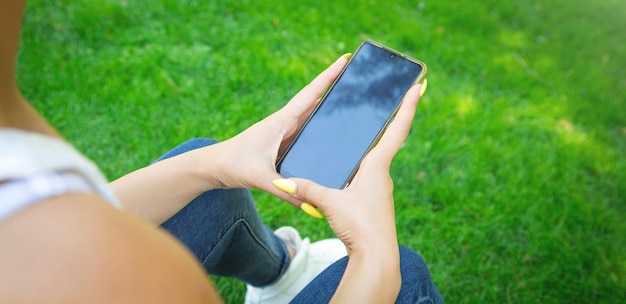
(310, 94)
(267, 186)
(399, 128)
(306, 191)
(290, 199)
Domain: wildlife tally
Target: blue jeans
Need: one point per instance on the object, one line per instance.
(224, 231)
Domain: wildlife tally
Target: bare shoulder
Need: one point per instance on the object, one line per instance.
(77, 249)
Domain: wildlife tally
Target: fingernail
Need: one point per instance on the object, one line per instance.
(423, 89)
(310, 210)
(286, 185)
(346, 56)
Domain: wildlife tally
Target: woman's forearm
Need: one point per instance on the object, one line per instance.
(158, 191)
(371, 277)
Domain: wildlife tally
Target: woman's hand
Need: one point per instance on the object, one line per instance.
(362, 216)
(248, 160)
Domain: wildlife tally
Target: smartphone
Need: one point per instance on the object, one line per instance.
(352, 116)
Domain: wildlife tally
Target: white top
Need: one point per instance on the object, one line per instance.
(34, 167)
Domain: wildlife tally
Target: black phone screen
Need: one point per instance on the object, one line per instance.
(351, 117)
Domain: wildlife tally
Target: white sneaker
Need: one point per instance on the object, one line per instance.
(309, 261)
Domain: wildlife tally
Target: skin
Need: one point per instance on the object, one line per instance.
(76, 248)
(16, 111)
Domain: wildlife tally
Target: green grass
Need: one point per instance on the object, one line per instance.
(512, 184)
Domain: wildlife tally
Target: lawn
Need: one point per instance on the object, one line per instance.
(512, 184)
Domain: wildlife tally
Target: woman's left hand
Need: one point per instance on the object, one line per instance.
(248, 160)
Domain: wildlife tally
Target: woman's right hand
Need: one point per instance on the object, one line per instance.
(362, 215)
(364, 211)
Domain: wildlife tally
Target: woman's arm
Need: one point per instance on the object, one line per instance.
(247, 160)
(371, 278)
(157, 192)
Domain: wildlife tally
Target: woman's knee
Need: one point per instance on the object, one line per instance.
(414, 264)
(198, 142)
(191, 144)
(417, 285)
(194, 143)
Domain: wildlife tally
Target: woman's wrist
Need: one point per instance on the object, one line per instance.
(372, 276)
(381, 251)
(207, 165)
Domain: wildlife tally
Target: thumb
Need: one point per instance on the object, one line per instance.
(312, 195)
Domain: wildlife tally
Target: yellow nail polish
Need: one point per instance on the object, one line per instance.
(310, 210)
(286, 185)
(423, 89)
(346, 56)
